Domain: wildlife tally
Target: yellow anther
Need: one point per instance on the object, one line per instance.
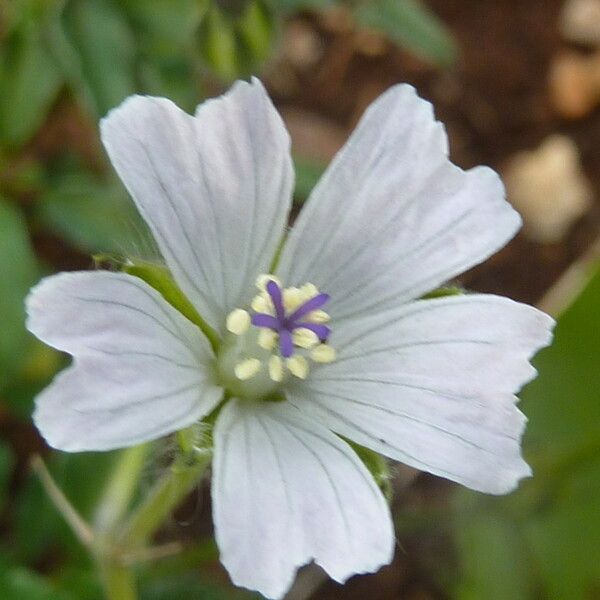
(298, 366)
(262, 304)
(262, 280)
(292, 299)
(238, 321)
(267, 339)
(247, 368)
(323, 353)
(305, 338)
(275, 368)
(317, 316)
(309, 290)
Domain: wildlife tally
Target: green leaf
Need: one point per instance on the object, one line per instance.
(18, 272)
(308, 173)
(294, 6)
(92, 215)
(217, 43)
(256, 30)
(191, 586)
(19, 583)
(29, 79)
(99, 32)
(495, 561)
(412, 25)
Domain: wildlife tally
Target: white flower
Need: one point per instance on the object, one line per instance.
(430, 382)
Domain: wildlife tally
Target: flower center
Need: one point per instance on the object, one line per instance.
(280, 335)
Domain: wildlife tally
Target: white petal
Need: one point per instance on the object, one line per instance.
(285, 491)
(215, 188)
(140, 371)
(432, 384)
(393, 218)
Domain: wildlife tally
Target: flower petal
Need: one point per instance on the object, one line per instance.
(140, 368)
(393, 218)
(285, 491)
(215, 188)
(432, 384)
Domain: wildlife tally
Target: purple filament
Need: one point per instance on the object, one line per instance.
(284, 325)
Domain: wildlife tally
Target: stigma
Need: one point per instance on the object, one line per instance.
(290, 325)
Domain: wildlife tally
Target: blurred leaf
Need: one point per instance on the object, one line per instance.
(35, 372)
(217, 43)
(495, 561)
(18, 272)
(292, 6)
(83, 583)
(164, 28)
(550, 526)
(21, 584)
(409, 24)
(191, 586)
(92, 215)
(256, 29)
(234, 39)
(165, 38)
(99, 32)
(308, 173)
(29, 79)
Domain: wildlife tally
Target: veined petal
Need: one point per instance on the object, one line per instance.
(285, 491)
(140, 370)
(393, 218)
(214, 188)
(432, 384)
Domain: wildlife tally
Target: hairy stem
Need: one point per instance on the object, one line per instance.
(163, 498)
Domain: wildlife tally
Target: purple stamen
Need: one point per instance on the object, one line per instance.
(284, 326)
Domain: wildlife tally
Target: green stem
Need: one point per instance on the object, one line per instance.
(164, 497)
(118, 580)
(121, 487)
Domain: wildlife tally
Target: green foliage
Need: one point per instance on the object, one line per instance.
(18, 583)
(544, 538)
(105, 46)
(190, 586)
(236, 44)
(29, 78)
(92, 214)
(308, 172)
(18, 272)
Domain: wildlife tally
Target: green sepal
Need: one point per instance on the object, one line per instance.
(377, 466)
(442, 292)
(159, 277)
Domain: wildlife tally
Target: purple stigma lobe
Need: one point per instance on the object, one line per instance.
(286, 345)
(275, 292)
(313, 304)
(284, 326)
(321, 331)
